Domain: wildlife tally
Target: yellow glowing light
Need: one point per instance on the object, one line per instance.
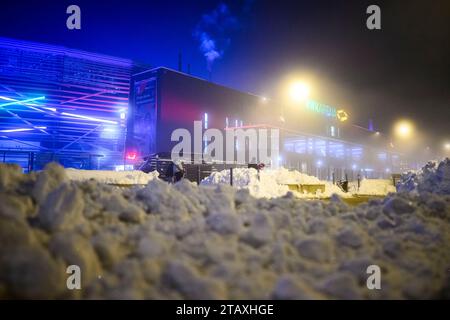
(404, 129)
(447, 146)
(342, 115)
(299, 91)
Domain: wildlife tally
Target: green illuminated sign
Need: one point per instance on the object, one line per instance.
(321, 108)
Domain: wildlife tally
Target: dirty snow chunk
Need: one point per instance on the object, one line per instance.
(62, 209)
(221, 200)
(397, 206)
(434, 178)
(162, 198)
(314, 249)
(372, 213)
(132, 214)
(188, 282)
(287, 288)
(386, 223)
(112, 177)
(30, 272)
(15, 232)
(223, 223)
(259, 232)
(317, 225)
(76, 250)
(215, 242)
(392, 248)
(109, 249)
(18, 208)
(48, 180)
(126, 211)
(10, 176)
(357, 267)
(341, 286)
(349, 238)
(151, 246)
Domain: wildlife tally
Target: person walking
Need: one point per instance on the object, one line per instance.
(178, 171)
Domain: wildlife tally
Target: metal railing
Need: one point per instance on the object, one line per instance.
(36, 160)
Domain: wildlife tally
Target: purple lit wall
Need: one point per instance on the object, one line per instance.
(86, 98)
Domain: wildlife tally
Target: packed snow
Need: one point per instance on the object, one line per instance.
(112, 177)
(374, 187)
(433, 177)
(184, 241)
(271, 183)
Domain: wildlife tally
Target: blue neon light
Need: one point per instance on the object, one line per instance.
(20, 101)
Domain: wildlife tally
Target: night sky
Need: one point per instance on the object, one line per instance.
(402, 70)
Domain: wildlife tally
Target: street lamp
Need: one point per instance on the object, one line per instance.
(404, 129)
(447, 146)
(299, 91)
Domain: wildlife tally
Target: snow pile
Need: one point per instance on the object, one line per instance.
(112, 177)
(285, 176)
(271, 183)
(375, 187)
(434, 177)
(182, 241)
(264, 186)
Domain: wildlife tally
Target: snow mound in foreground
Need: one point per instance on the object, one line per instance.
(271, 183)
(182, 241)
(434, 177)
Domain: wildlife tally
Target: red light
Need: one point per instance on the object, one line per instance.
(131, 155)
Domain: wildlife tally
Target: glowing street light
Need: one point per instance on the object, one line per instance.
(404, 129)
(299, 91)
(447, 146)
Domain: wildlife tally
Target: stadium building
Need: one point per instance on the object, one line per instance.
(91, 111)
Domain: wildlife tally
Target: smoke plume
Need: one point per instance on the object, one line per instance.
(213, 31)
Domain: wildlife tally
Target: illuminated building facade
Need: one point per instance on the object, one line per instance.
(91, 111)
(61, 104)
(315, 138)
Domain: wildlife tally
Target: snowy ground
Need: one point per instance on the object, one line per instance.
(188, 242)
(112, 177)
(373, 187)
(271, 183)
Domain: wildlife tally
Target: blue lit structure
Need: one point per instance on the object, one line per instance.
(62, 104)
(95, 111)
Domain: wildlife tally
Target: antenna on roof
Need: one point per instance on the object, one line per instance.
(180, 61)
